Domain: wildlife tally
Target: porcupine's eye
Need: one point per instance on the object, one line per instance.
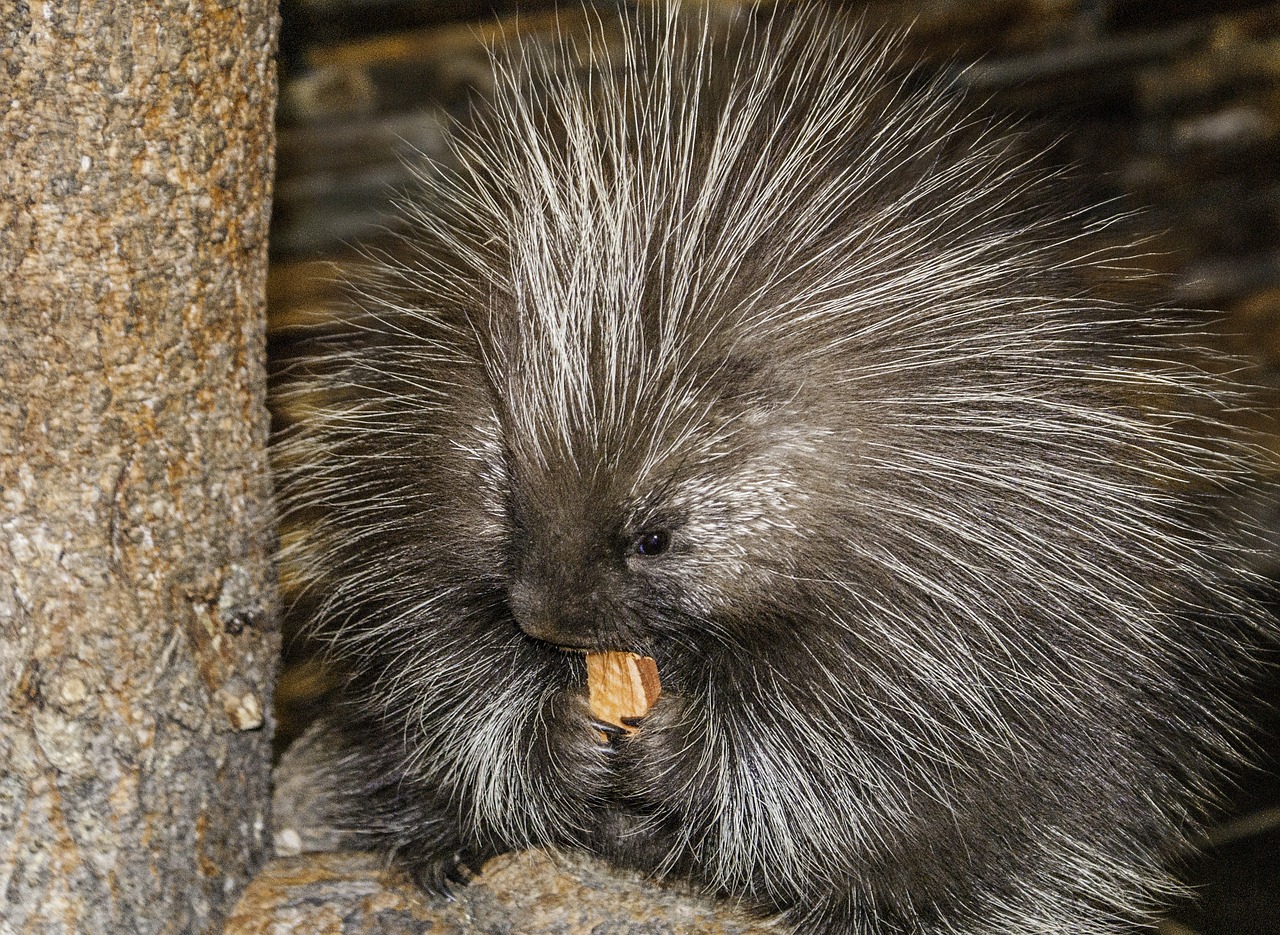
(652, 543)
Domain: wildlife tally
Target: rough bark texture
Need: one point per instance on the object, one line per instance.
(137, 629)
(530, 893)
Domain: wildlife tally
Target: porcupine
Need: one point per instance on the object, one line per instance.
(748, 354)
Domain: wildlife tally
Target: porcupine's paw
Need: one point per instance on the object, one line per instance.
(568, 755)
(662, 724)
(443, 876)
(652, 756)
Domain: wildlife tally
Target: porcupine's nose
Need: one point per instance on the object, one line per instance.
(544, 617)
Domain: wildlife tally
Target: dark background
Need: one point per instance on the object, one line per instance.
(1170, 106)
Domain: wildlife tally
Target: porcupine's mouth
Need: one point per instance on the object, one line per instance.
(621, 685)
(581, 649)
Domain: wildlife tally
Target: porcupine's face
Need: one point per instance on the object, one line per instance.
(666, 535)
(592, 571)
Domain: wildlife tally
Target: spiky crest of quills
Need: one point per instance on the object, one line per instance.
(952, 628)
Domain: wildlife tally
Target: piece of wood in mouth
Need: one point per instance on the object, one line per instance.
(621, 686)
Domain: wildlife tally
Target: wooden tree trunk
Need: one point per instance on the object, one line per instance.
(137, 621)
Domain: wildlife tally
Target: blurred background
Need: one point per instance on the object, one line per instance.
(1170, 106)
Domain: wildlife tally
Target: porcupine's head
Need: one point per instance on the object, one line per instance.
(782, 372)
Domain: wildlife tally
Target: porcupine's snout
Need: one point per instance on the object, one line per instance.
(562, 619)
(559, 592)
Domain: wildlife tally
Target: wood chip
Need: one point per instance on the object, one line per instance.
(621, 685)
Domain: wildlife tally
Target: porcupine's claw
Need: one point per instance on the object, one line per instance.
(611, 731)
(444, 877)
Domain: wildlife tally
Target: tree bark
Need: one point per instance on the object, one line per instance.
(137, 619)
